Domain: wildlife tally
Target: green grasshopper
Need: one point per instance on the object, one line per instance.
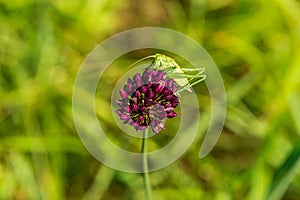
(174, 71)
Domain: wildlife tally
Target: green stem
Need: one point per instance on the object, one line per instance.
(147, 184)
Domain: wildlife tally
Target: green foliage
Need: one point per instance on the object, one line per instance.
(284, 174)
(255, 44)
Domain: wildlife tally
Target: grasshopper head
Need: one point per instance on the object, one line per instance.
(162, 62)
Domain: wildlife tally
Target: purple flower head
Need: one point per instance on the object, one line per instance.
(148, 100)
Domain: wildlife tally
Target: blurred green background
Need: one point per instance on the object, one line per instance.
(255, 44)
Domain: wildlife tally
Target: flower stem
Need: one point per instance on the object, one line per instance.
(147, 184)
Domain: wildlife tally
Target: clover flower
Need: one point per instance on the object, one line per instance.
(147, 100)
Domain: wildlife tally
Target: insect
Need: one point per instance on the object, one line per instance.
(185, 78)
(174, 71)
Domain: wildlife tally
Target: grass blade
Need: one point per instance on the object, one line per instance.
(284, 174)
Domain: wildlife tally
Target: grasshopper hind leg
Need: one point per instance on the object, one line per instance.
(189, 85)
